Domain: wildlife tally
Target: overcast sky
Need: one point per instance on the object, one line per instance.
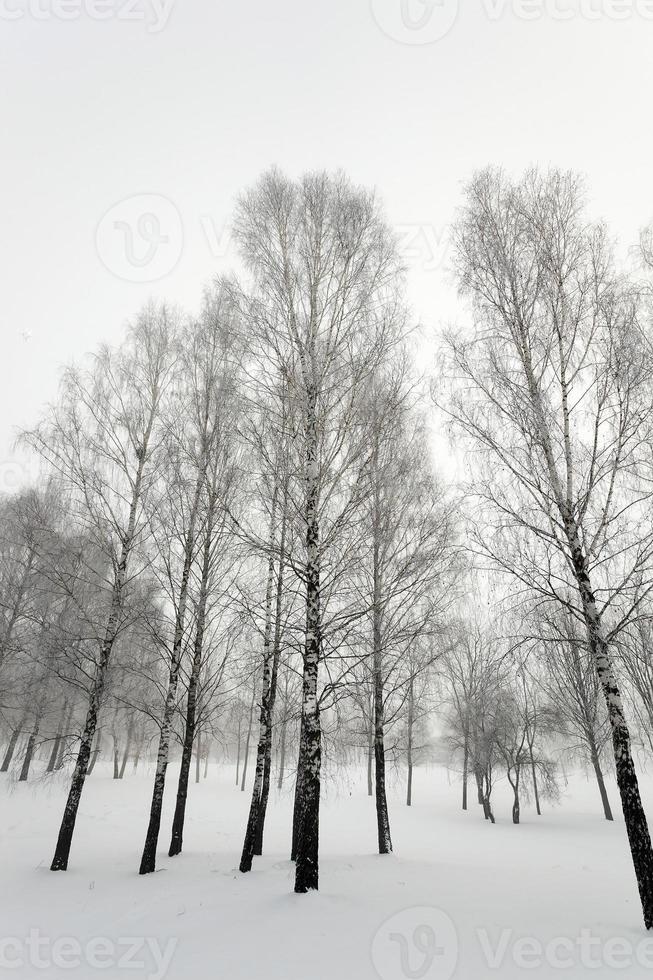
(130, 126)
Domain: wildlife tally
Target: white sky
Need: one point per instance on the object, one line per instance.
(98, 111)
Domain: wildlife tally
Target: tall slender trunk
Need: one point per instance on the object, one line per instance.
(64, 840)
(382, 816)
(148, 859)
(116, 757)
(248, 738)
(253, 843)
(29, 753)
(238, 752)
(478, 776)
(634, 816)
(11, 746)
(272, 693)
(308, 799)
(310, 754)
(65, 738)
(370, 755)
(536, 791)
(487, 805)
(264, 711)
(409, 748)
(96, 751)
(465, 769)
(598, 772)
(282, 739)
(128, 742)
(52, 761)
(198, 757)
(298, 795)
(176, 841)
(516, 809)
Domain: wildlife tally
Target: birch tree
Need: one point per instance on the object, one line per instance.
(571, 680)
(322, 311)
(209, 355)
(102, 438)
(551, 388)
(194, 421)
(408, 577)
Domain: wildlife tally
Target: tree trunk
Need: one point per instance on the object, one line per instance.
(247, 740)
(478, 776)
(29, 753)
(308, 802)
(54, 754)
(264, 713)
(116, 758)
(607, 809)
(96, 752)
(63, 744)
(409, 747)
(66, 830)
(272, 694)
(176, 841)
(370, 758)
(282, 746)
(253, 843)
(310, 756)
(515, 790)
(382, 816)
(238, 753)
(298, 796)
(11, 746)
(198, 757)
(125, 755)
(536, 791)
(465, 769)
(148, 859)
(485, 799)
(634, 816)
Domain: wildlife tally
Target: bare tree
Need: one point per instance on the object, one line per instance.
(208, 356)
(322, 313)
(572, 682)
(557, 405)
(101, 439)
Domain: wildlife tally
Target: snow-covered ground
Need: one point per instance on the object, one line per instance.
(554, 897)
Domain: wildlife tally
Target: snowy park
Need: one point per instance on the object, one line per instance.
(552, 897)
(326, 490)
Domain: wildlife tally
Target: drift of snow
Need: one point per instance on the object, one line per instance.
(459, 898)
